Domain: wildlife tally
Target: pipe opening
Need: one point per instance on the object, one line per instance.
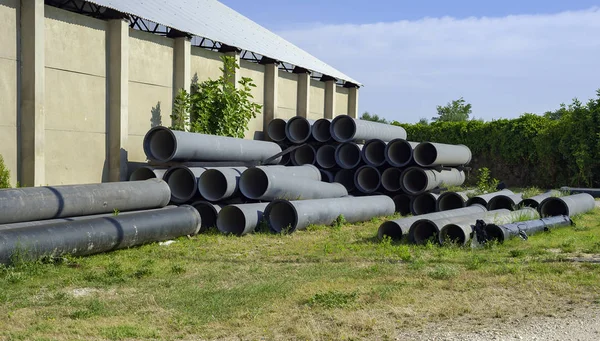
(425, 154)
(162, 144)
(298, 130)
(402, 203)
(423, 204)
(182, 183)
(453, 234)
(327, 176)
(450, 201)
(143, 173)
(424, 230)
(477, 200)
(414, 180)
(399, 153)
(529, 203)
(390, 229)
(346, 178)
(348, 155)
(231, 220)
(326, 156)
(494, 232)
(282, 217)
(390, 179)
(321, 130)
(343, 128)
(374, 152)
(367, 179)
(552, 207)
(285, 160)
(213, 185)
(304, 155)
(254, 183)
(208, 215)
(500, 202)
(276, 130)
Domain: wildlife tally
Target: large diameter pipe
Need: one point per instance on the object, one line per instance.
(390, 179)
(417, 180)
(399, 152)
(428, 154)
(524, 229)
(50, 202)
(367, 179)
(508, 201)
(345, 129)
(320, 130)
(595, 192)
(147, 172)
(305, 155)
(326, 156)
(399, 228)
(304, 171)
(451, 200)
(183, 182)
(285, 158)
(240, 219)
(373, 152)
(219, 183)
(298, 129)
(348, 155)
(535, 201)
(91, 236)
(256, 183)
(162, 144)
(327, 176)
(570, 205)
(485, 198)
(424, 203)
(346, 178)
(289, 216)
(402, 202)
(208, 214)
(276, 130)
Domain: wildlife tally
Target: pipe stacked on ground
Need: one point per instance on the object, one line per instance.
(570, 206)
(506, 201)
(417, 180)
(424, 203)
(399, 152)
(240, 219)
(147, 172)
(276, 130)
(485, 198)
(524, 229)
(595, 192)
(535, 201)
(452, 200)
(428, 154)
(345, 129)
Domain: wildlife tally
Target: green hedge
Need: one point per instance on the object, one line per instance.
(557, 149)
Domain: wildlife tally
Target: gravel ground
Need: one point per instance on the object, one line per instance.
(580, 325)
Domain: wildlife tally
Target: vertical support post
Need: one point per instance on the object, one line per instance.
(182, 55)
(303, 105)
(270, 100)
(329, 98)
(353, 101)
(32, 111)
(118, 116)
(236, 73)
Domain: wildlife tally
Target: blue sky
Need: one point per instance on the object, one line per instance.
(504, 57)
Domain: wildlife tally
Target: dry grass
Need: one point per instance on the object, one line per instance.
(319, 284)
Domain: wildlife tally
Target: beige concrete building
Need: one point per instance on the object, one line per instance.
(81, 82)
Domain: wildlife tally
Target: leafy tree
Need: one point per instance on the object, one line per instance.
(455, 111)
(4, 174)
(423, 121)
(374, 118)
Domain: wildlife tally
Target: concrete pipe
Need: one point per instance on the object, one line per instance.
(345, 129)
(276, 130)
(417, 180)
(257, 184)
(289, 216)
(219, 183)
(50, 202)
(305, 155)
(162, 144)
(298, 129)
(327, 176)
(480, 233)
(285, 158)
(304, 171)
(183, 182)
(348, 155)
(147, 172)
(426, 229)
(90, 236)
(399, 228)
(390, 179)
(535, 201)
(595, 192)
(240, 219)
(399, 152)
(367, 179)
(373, 153)
(402, 202)
(524, 229)
(326, 156)
(346, 178)
(424, 203)
(571, 205)
(508, 201)
(320, 130)
(485, 198)
(208, 214)
(451, 200)
(428, 154)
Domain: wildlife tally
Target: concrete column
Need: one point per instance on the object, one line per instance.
(353, 101)
(118, 93)
(236, 73)
(182, 54)
(32, 112)
(303, 105)
(329, 98)
(270, 100)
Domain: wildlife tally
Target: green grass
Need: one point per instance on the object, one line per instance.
(322, 283)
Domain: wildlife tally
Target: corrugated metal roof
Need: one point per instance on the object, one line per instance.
(215, 21)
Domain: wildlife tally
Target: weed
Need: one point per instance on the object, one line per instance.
(128, 332)
(568, 245)
(115, 212)
(485, 183)
(332, 299)
(177, 269)
(442, 272)
(531, 192)
(516, 253)
(339, 222)
(92, 308)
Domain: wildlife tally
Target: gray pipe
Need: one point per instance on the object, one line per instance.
(327, 176)
(162, 144)
(428, 154)
(524, 229)
(289, 216)
(390, 179)
(183, 182)
(298, 129)
(276, 130)
(219, 183)
(402, 202)
(399, 152)
(305, 155)
(240, 219)
(399, 228)
(595, 192)
(326, 156)
(367, 179)
(304, 171)
(259, 184)
(50, 202)
(509, 202)
(535, 201)
(346, 178)
(348, 155)
(424, 203)
(571, 205)
(451, 200)
(91, 236)
(208, 214)
(320, 130)
(417, 180)
(485, 198)
(147, 172)
(285, 158)
(345, 129)
(373, 152)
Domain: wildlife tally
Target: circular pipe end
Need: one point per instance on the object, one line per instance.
(500, 202)
(326, 156)
(399, 153)
(414, 180)
(367, 179)
(450, 201)
(552, 207)
(477, 201)
(348, 155)
(343, 128)
(373, 152)
(390, 179)
(402, 203)
(423, 204)
(304, 155)
(160, 144)
(529, 203)
(143, 173)
(208, 214)
(281, 216)
(321, 130)
(276, 130)
(423, 230)
(182, 183)
(452, 233)
(298, 129)
(390, 229)
(425, 154)
(231, 220)
(254, 183)
(213, 185)
(346, 178)
(494, 232)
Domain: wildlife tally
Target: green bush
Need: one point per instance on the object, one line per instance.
(4, 174)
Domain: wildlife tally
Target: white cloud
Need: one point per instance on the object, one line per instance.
(503, 66)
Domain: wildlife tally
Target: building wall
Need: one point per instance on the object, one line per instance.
(9, 66)
(341, 101)
(257, 73)
(205, 64)
(287, 95)
(317, 100)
